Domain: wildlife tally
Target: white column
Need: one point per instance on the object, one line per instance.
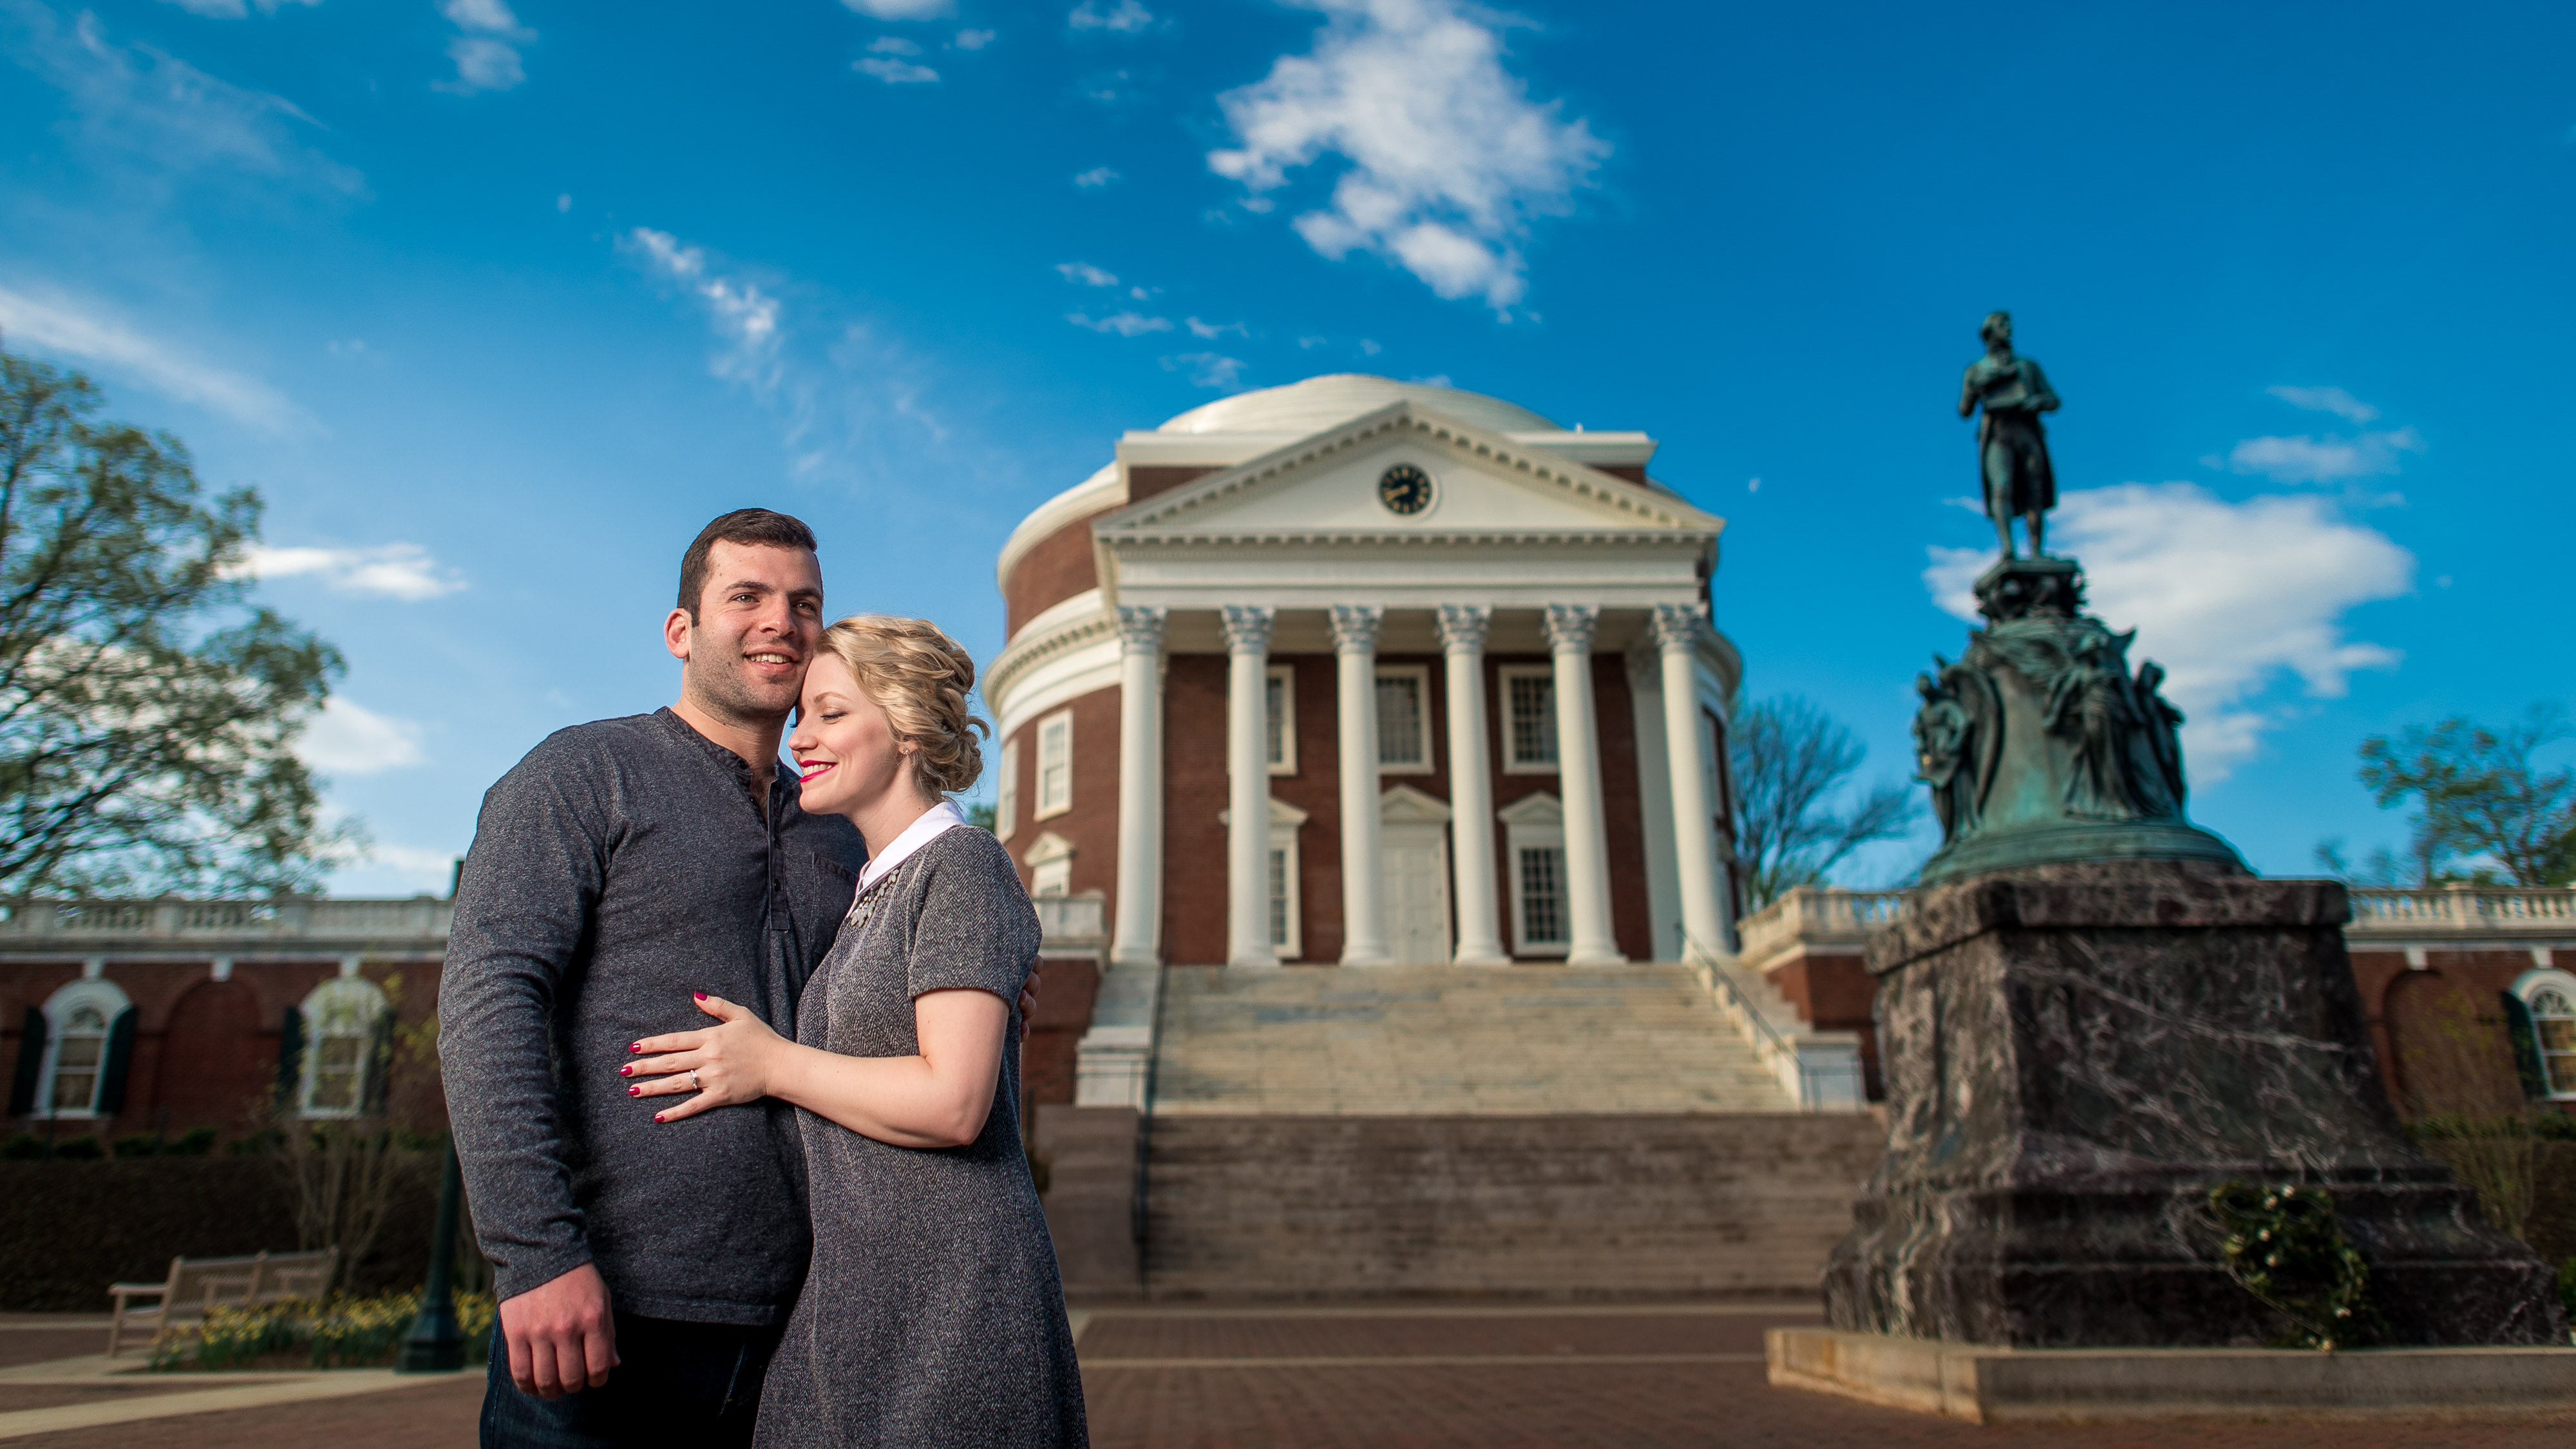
(1471, 788)
(1247, 767)
(1363, 866)
(1578, 765)
(1694, 775)
(1140, 787)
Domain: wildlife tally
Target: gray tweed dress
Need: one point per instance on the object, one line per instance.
(932, 1314)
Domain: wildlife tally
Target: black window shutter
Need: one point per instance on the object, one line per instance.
(2526, 1046)
(120, 1055)
(380, 1065)
(31, 1065)
(290, 1057)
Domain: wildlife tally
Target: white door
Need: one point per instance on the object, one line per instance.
(1417, 895)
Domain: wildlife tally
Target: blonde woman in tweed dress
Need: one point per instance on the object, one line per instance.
(932, 1313)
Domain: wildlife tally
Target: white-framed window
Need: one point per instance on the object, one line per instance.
(344, 1022)
(1055, 765)
(80, 1058)
(1534, 844)
(2549, 994)
(1050, 863)
(1279, 711)
(1285, 896)
(1006, 809)
(1404, 719)
(1529, 719)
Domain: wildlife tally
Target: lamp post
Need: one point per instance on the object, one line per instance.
(435, 1343)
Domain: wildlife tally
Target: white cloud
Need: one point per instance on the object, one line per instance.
(2305, 459)
(973, 39)
(1311, 343)
(2326, 400)
(899, 9)
(58, 324)
(233, 9)
(347, 738)
(1450, 158)
(1087, 274)
(1126, 17)
(1213, 330)
(895, 72)
(1096, 176)
(163, 113)
(894, 45)
(487, 55)
(1207, 369)
(392, 571)
(1125, 324)
(836, 384)
(2227, 596)
(743, 314)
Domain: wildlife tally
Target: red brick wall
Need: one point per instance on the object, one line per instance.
(2404, 1005)
(201, 1046)
(1833, 992)
(1194, 903)
(1091, 826)
(1632, 918)
(1144, 483)
(1067, 986)
(1054, 569)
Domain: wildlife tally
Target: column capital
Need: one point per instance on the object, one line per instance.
(1140, 628)
(1355, 628)
(1462, 628)
(1247, 628)
(1675, 628)
(1569, 628)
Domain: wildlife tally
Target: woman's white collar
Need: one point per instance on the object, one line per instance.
(936, 820)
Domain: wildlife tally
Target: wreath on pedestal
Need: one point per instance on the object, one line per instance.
(2285, 1245)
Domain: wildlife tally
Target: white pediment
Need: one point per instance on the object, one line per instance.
(1404, 805)
(1484, 484)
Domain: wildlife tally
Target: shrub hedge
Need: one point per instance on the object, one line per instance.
(70, 1227)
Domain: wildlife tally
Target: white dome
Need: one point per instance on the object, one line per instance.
(1319, 402)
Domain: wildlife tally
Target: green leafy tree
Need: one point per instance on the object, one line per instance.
(148, 711)
(2479, 796)
(1791, 761)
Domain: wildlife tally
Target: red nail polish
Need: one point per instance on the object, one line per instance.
(700, 995)
(657, 1116)
(635, 1046)
(627, 1070)
(635, 1091)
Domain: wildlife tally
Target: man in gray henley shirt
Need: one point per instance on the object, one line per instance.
(621, 866)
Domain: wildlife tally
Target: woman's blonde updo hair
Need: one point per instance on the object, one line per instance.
(920, 678)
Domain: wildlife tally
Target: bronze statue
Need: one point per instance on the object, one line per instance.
(2011, 445)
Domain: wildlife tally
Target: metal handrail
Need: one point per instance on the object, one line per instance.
(1145, 1122)
(1725, 984)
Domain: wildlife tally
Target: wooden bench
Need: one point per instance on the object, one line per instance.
(197, 1284)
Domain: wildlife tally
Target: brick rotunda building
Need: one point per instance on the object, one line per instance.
(1370, 673)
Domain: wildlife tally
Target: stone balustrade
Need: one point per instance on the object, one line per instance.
(171, 925)
(1834, 917)
(1814, 916)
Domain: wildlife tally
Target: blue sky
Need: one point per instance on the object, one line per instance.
(496, 302)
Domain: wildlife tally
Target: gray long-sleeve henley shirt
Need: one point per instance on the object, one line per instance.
(621, 866)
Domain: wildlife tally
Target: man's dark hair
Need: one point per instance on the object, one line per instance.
(745, 526)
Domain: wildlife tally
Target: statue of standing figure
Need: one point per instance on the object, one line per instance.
(2011, 445)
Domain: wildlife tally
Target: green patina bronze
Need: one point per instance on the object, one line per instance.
(2040, 745)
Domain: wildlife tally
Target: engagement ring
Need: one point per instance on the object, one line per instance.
(693, 1083)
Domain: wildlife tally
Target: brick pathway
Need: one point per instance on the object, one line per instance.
(1358, 1377)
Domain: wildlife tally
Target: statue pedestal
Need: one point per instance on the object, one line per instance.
(2076, 1054)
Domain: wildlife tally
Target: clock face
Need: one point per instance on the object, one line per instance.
(1404, 489)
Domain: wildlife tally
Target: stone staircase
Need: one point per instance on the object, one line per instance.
(1424, 1131)
(1437, 1040)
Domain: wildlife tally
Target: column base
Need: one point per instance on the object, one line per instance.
(1464, 959)
(1267, 959)
(1147, 957)
(1596, 958)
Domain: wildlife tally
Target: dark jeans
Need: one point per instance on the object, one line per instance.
(691, 1384)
